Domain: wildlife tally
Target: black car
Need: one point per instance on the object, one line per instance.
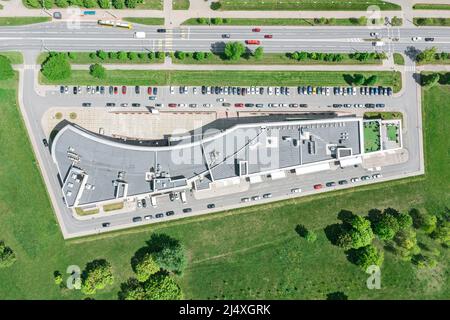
(111, 89)
(102, 90)
(75, 90)
(330, 184)
(170, 213)
(61, 89)
(136, 105)
(161, 30)
(211, 206)
(44, 141)
(187, 210)
(86, 104)
(106, 224)
(429, 39)
(110, 104)
(203, 90)
(226, 35)
(249, 105)
(159, 215)
(137, 89)
(137, 219)
(144, 203)
(155, 91)
(342, 182)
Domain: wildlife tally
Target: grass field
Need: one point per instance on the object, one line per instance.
(315, 5)
(180, 4)
(20, 21)
(383, 115)
(14, 56)
(248, 253)
(392, 132)
(221, 78)
(431, 6)
(146, 21)
(273, 59)
(279, 22)
(372, 136)
(399, 59)
(146, 4)
(84, 58)
(442, 22)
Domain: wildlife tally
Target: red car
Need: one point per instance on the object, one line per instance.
(256, 29)
(268, 36)
(252, 42)
(239, 105)
(149, 90)
(172, 105)
(116, 90)
(124, 89)
(318, 186)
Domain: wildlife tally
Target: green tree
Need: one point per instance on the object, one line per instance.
(429, 80)
(216, 21)
(199, 56)
(76, 3)
(159, 55)
(90, 3)
(180, 55)
(358, 79)
(362, 21)
(396, 21)
(48, 4)
(118, 4)
(234, 50)
(161, 286)
(104, 4)
(442, 232)
(145, 266)
(62, 3)
(58, 278)
(404, 220)
(132, 289)
(7, 256)
(132, 55)
(6, 70)
(171, 257)
(372, 80)
(366, 256)
(356, 232)
(97, 275)
(386, 227)
(130, 4)
(97, 71)
(406, 239)
(423, 221)
(302, 55)
(121, 55)
(202, 21)
(56, 67)
(33, 3)
(151, 55)
(426, 55)
(92, 55)
(102, 54)
(258, 53)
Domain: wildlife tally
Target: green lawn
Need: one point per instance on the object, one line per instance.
(146, 21)
(384, 115)
(314, 5)
(392, 132)
(19, 21)
(247, 253)
(399, 59)
(273, 59)
(180, 4)
(279, 22)
(84, 58)
(372, 136)
(442, 22)
(14, 56)
(216, 77)
(431, 6)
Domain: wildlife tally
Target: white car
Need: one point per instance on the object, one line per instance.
(256, 198)
(194, 90)
(182, 105)
(245, 200)
(296, 190)
(220, 100)
(416, 38)
(172, 90)
(354, 179)
(270, 91)
(207, 105)
(377, 175)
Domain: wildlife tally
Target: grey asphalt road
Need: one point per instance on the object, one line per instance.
(88, 36)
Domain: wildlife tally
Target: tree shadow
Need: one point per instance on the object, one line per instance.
(374, 215)
(301, 230)
(337, 295)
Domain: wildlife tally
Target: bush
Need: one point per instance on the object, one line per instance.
(162, 287)
(97, 275)
(121, 55)
(104, 4)
(97, 71)
(141, 55)
(355, 232)
(159, 55)
(48, 4)
(216, 20)
(56, 67)
(202, 20)
(6, 70)
(151, 55)
(58, 278)
(62, 3)
(259, 53)
(372, 80)
(102, 54)
(118, 4)
(423, 261)
(234, 50)
(442, 232)
(7, 256)
(215, 5)
(430, 80)
(180, 55)
(386, 227)
(71, 55)
(423, 221)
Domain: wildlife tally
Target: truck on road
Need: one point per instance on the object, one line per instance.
(139, 35)
(378, 43)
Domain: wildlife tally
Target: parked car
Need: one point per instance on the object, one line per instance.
(365, 178)
(137, 219)
(296, 190)
(170, 213)
(318, 186)
(211, 206)
(187, 210)
(106, 224)
(124, 90)
(86, 104)
(330, 184)
(354, 179)
(267, 195)
(44, 141)
(148, 217)
(159, 215)
(342, 182)
(226, 35)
